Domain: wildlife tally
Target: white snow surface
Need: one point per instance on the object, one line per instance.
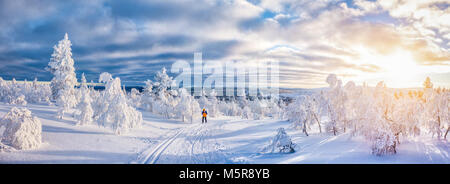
(221, 140)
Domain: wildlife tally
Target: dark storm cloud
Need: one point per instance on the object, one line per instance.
(27, 38)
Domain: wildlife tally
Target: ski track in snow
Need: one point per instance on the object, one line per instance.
(191, 144)
(154, 155)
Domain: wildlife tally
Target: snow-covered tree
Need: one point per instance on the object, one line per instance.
(297, 113)
(203, 101)
(336, 100)
(281, 143)
(436, 113)
(273, 110)
(303, 112)
(427, 84)
(16, 90)
(113, 109)
(377, 124)
(20, 100)
(164, 95)
(187, 108)
(313, 111)
(162, 82)
(213, 105)
(257, 108)
(84, 107)
(148, 97)
(4, 90)
(383, 116)
(247, 113)
(13, 92)
(136, 97)
(40, 93)
(22, 130)
(105, 97)
(64, 78)
(384, 142)
(121, 116)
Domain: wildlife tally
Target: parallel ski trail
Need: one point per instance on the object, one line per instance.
(156, 153)
(192, 144)
(198, 139)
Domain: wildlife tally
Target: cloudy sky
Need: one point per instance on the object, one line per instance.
(397, 41)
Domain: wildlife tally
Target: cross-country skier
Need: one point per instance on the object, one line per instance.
(204, 114)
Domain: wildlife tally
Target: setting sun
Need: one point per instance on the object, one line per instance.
(400, 69)
(397, 69)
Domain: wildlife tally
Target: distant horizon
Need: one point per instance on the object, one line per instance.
(281, 88)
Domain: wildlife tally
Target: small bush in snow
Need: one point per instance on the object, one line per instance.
(281, 143)
(20, 100)
(384, 143)
(23, 131)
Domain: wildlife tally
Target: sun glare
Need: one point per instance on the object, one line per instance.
(401, 70)
(397, 70)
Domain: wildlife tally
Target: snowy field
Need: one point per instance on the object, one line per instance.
(221, 140)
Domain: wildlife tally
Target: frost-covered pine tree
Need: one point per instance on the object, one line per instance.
(135, 98)
(148, 96)
(22, 130)
(15, 89)
(104, 98)
(203, 101)
(162, 82)
(64, 78)
(165, 102)
(16, 94)
(187, 108)
(84, 107)
(113, 108)
(4, 90)
(213, 105)
(34, 95)
(121, 116)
